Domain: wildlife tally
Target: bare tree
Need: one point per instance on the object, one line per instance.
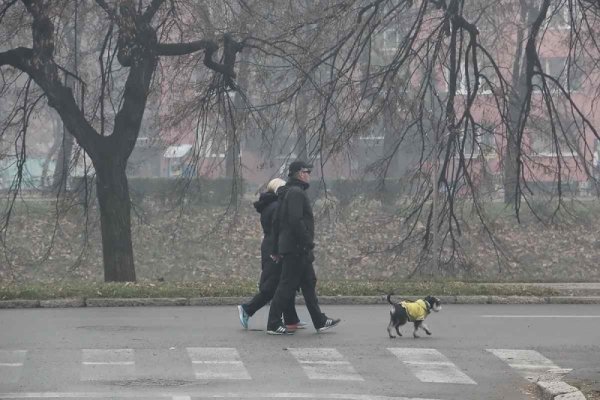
(453, 73)
(132, 33)
(315, 67)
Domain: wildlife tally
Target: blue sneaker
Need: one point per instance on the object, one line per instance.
(244, 317)
(302, 325)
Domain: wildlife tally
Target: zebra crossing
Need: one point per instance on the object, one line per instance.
(429, 365)
(529, 363)
(320, 364)
(11, 363)
(217, 363)
(102, 364)
(325, 364)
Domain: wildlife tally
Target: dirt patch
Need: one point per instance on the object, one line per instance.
(359, 242)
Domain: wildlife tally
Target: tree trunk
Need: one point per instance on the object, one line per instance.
(63, 160)
(511, 168)
(115, 218)
(67, 140)
(511, 161)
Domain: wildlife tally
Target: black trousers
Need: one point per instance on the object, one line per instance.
(269, 279)
(297, 271)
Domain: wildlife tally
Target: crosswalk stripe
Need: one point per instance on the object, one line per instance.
(325, 363)
(107, 364)
(11, 362)
(429, 365)
(529, 363)
(217, 363)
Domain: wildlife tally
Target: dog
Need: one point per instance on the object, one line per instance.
(413, 311)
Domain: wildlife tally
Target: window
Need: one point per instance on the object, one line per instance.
(487, 80)
(560, 17)
(544, 144)
(479, 142)
(557, 68)
(391, 39)
(397, 22)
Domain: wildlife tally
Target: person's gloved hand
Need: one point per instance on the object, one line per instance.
(310, 256)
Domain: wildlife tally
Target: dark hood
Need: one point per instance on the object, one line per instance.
(264, 200)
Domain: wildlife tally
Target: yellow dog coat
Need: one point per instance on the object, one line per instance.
(416, 310)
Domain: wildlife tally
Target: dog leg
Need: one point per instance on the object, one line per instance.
(398, 329)
(389, 329)
(425, 328)
(417, 325)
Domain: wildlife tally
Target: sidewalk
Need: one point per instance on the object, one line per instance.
(564, 288)
(568, 293)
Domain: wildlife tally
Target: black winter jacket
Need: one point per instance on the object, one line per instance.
(267, 206)
(295, 223)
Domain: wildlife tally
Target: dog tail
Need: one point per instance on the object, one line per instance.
(389, 298)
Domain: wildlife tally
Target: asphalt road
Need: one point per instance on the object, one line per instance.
(183, 353)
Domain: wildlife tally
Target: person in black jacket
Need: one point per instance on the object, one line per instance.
(294, 230)
(271, 270)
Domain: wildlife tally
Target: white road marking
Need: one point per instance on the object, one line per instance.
(539, 316)
(429, 365)
(11, 362)
(325, 363)
(201, 395)
(107, 364)
(217, 363)
(529, 363)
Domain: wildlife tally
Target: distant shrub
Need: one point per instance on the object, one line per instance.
(165, 190)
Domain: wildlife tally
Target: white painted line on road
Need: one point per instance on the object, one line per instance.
(539, 316)
(429, 365)
(11, 362)
(107, 364)
(201, 395)
(529, 363)
(107, 356)
(217, 363)
(325, 364)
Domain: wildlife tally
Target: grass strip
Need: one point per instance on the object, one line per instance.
(69, 289)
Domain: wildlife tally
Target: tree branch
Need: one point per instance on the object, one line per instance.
(180, 49)
(107, 9)
(152, 10)
(230, 50)
(19, 58)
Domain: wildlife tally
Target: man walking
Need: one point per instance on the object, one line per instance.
(294, 230)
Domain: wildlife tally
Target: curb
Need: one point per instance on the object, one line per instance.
(551, 387)
(327, 300)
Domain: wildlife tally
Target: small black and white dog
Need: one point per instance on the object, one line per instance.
(412, 311)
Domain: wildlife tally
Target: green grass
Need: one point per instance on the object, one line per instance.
(68, 289)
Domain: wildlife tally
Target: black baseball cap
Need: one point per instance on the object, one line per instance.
(298, 165)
